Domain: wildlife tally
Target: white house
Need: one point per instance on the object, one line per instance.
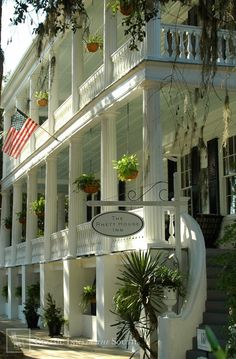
(102, 105)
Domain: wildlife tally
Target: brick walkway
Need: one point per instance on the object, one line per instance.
(37, 344)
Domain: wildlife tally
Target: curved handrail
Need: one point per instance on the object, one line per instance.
(184, 324)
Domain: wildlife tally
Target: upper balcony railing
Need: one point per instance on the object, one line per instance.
(89, 242)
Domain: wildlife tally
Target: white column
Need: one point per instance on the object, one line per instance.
(109, 41)
(53, 91)
(5, 233)
(152, 41)
(61, 211)
(31, 218)
(50, 204)
(152, 164)
(7, 125)
(16, 226)
(33, 109)
(26, 280)
(72, 292)
(77, 67)
(107, 269)
(109, 182)
(12, 300)
(76, 199)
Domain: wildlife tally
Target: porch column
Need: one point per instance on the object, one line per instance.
(109, 183)
(107, 269)
(152, 41)
(12, 300)
(50, 217)
(76, 199)
(5, 233)
(31, 218)
(61, 211)
(53, 91)
(7, 125)
(152, 164)
(77, 72)
(26, 280)
(16, 226)
(109, 42)
(72, 292)
(33, 109)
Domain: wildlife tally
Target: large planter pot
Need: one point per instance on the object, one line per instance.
(54, 329)
(170, 298)
(32, 320)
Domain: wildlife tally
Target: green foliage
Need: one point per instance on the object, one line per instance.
(216, 348)
(41, 95)
(125, 166)
(5, 292)
(96, 38)
(139, 300)
(88, 295)
(52, 316)
(38, 206)
(7, 221)
(18, 291)
(86, 179)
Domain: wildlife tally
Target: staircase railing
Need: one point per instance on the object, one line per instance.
(184, 325)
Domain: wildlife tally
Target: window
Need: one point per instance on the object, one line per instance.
(229, 167)
(186, 173)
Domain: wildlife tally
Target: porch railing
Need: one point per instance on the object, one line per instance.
(20, 253)
(37, 250)
(59, 244)
(92, 86)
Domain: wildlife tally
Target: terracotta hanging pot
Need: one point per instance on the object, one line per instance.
(126, 7)
(22, 220)
(42, 102)
(90, 188)
(132, 176)
(92, 46)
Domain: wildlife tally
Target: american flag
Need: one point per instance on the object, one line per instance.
(18, 134)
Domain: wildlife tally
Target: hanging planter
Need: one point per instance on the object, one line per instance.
(127, 167)
(21, 217)
(38, 207)
(7, 221)
(94, 43)
(87, 183)
(126, 7)
(42, 98)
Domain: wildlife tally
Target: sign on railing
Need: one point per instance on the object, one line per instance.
(117, 223)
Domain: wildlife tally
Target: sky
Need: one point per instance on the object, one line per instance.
(15, 39)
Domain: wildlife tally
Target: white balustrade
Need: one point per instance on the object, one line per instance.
(124, 60)
(63, 113)
(8, 256)
(20, 253)
(92, 86)
(37, 250)
(59, 244)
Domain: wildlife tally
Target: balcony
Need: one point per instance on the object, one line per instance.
(89, 242)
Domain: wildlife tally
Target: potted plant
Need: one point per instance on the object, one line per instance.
(31, 305)
(52, 316)
(126, 7)
(18, 291)
(7, 221)
(42, 98)
(94, 43)
(38, 207)
(21, 217)
(87, 183)
(5, 292)
(127, 167)
(89, 297)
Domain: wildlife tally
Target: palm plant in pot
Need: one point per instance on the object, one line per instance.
(94, 43)
(21, 217)
(87, 183)
(52, 316)
(31, 305)
(127, 167)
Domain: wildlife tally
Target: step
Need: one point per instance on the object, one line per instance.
(216, 306)
(216, 294)
(198, 354)
(212, 271)
(213, 283)
(215, 318)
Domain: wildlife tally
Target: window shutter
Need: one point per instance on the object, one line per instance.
(213, 176)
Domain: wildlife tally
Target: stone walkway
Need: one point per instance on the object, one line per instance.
(37, 344)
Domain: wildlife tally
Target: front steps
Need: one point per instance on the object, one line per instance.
(215, 315)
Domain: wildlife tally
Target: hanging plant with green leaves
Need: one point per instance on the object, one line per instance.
(127, 167)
